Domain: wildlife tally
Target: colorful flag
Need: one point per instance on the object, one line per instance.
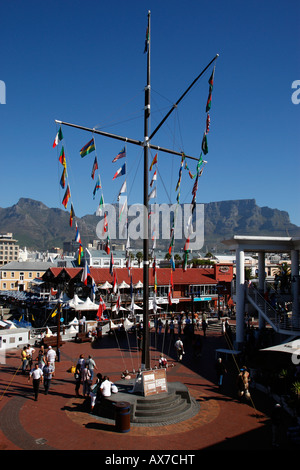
(63, 179)
(207, 123)
(115, 284)
(72, 215)
(80, 253)
(172, 240)
(107, 247)
(170, 295)
(77, 236)
(211, 79)
(208, 103)
(122, 190)
(88, 148)
(101, 205)
(154, 161)
(153, 178)
(120, 171)
(58, 138)
(97, 186)
(101, 309)
(204, 144)
(118, 303)
(62, 158)
(111, 265)
(105, 225)
(122, 154)
(66, 197)
(85, 273)
(95, 167)
(172, 261)
(152, 194)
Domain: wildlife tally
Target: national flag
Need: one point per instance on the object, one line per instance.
(77, 236)
(105, 225)
(170, 295)
(118, 303)
(54, 313)
(208, 103)
(101, 205)
(80, 253)
(63, 179)
(172, 261)
(66, 197)
(154, 161)
(53, 292)
(152, 194)
(62, 158)
(58, 138)
(115, 284)
(120, 171)
(172, 240)
(187, 244)
(207, 123)
(153, 178)
(107, 247)
(88, 148)
(155, 283)
(211, 79)
(101, 309)
(171, 282)
(122, 154)
(85, 273)
(154, 266)
(204, 144)
(111, 265)
(200, 161)
(122, 190)
(95, 167)
(72, 215)
(97, 186)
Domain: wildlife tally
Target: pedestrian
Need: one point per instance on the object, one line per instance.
(81, 361)
(24, 360)
(221, 370)
(94, 392)
(29, 351)
(179, 349)
(106, 387)
(77, 377)
(243, 380)
(41, 358)
(86, 380)
(37, 376)
(163, 363)
(204, 324)
(48, 373)
(51, 356)
(91, 365)
(276, 418)
(171, 328)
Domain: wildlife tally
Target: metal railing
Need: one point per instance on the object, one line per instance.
(280, 320)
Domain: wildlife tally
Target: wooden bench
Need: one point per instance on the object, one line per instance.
(82, 338)
(51, 341)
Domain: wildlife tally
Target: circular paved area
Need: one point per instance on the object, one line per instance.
(59, 422)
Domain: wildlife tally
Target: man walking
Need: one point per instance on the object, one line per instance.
(37, 376)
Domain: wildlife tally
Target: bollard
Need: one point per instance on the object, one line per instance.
(122, 416)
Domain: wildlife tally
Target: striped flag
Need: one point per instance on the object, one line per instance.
(58, 138)
(122, 154)
(95, 167)
(121, 171)
(88, 148)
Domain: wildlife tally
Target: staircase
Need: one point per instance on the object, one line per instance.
(164, 409)
(281, 323)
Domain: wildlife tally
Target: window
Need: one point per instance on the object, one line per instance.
(12, 274)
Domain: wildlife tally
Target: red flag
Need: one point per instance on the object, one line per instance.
(101, 309)
(153, 162)
(66, 197)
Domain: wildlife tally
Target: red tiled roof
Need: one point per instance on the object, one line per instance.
(163, 275)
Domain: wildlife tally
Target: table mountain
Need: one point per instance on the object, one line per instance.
(39, 227)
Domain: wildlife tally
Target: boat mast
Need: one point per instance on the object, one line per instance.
(146, 346)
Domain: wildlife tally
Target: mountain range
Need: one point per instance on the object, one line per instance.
(39, 227)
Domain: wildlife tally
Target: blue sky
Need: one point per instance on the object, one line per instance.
(83, 62)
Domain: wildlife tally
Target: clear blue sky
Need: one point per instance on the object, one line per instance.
(83, 62)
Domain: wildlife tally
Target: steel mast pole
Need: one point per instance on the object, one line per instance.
(146, 343)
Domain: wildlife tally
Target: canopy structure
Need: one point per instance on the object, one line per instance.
(87, 305)
(292, 347)
(138, 285)
(106, 285)
(73, 303)
(123, 285)
(120, 308)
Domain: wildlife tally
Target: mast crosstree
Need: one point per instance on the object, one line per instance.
(146, 144)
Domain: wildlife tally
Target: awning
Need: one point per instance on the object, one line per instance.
(292, 347)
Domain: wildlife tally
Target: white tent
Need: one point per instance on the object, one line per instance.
(127, 324)
(73, 303)
(138, 285)
(87, 305)
(292, 347)
(123, 285)
(106, 285)
(120, 308)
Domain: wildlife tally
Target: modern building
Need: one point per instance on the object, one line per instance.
(9, 250)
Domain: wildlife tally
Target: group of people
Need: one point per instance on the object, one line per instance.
(43, 370)
(84, 376)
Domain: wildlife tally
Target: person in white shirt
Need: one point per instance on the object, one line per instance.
(179, 349)
(105, 387)
(37, 376)
(51, 355)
